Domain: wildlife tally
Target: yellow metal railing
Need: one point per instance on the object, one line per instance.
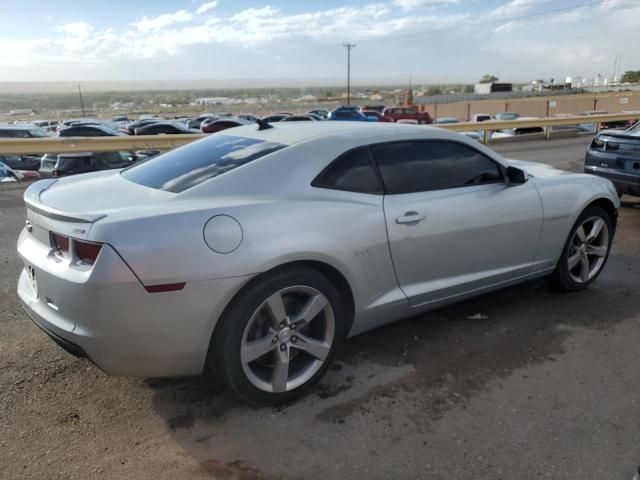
(19, 146)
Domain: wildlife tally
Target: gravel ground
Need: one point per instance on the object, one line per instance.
(540, 385)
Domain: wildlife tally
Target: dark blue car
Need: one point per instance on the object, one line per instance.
(350, 114)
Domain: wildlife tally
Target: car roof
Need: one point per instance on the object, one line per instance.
(18, 127)
(290, 133)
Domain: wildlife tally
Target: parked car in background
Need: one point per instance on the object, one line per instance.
(248, 116)
(445, 120)
(8, 174)
(130, 128)
(87, 130)
(160, 128)
(22, 131)
(406, 113)
(21, 162)
(300, 118)
(232, 254)
(518, 131)
(506, 116)
(616, 156)
(64, 164)
(196, 123)
(49, 126)
(74, 121)
(276, 117)
(350, 114)
(474, 135)
(375, 108)
(375, 114)
(480, 117)
(320, 112)
(119, 119)
(224, 124)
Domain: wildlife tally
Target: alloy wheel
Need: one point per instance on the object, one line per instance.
(588, 249)
(287, 339)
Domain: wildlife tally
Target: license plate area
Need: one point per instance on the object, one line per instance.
(33, 282)
(629, 164)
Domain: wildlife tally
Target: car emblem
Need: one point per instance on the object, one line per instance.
(28, 226)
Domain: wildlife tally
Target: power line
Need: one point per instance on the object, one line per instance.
(349, 46)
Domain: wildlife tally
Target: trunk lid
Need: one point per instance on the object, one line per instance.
(69, 206)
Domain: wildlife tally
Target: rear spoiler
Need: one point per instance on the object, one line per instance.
(32, 200)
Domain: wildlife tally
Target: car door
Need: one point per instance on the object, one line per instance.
(454, 224)
(411, 114)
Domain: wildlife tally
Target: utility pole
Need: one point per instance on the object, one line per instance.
(349, 46)
(81, 101)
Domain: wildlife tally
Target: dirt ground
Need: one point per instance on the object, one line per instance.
(539, 385)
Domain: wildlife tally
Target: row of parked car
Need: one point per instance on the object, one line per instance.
(16, 167)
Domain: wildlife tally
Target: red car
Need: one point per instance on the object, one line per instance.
(406, 113)
(376, 114)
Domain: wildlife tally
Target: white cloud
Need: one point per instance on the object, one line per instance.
(513, 8)
(205, 7)
(407, 5)
(76, 29)
(392, 36)
(148, 24)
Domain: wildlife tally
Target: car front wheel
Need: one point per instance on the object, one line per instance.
(278, 336)
(586, 250)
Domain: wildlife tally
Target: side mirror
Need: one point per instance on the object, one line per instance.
(515, 176)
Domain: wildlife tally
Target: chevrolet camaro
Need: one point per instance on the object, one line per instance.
(256, 251)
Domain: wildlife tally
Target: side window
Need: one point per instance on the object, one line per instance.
(353, 171)
(410, 111)
(421, 166)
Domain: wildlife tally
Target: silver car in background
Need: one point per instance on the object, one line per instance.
(257, 251)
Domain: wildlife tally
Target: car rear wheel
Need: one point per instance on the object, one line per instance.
(279, 336)
(586, 251)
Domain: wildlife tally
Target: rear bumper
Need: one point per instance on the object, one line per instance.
(105, 314)
(63, 343)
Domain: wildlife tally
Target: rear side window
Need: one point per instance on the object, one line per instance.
(353, 171)
(197, 162)
(421, 166)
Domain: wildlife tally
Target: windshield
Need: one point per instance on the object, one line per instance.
(38, 132)
(197, 162)
(635, 130)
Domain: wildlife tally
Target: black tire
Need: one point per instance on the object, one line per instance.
(561, 277)
(224, 356)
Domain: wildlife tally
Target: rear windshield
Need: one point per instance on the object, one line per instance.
(197, 162)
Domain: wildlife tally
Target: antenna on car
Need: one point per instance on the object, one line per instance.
(263, 124)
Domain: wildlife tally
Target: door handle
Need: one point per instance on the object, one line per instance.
(410, 218)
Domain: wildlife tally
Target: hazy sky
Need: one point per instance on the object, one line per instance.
(434, 40)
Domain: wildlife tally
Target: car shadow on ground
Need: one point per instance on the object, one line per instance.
(428, 364)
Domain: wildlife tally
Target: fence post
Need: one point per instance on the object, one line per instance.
(547, 132)
(485, 136)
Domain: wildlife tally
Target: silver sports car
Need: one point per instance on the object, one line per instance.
(257, 251)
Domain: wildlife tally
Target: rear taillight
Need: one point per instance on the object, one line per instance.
(597, 143)
(60, 244)
(85, 252)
